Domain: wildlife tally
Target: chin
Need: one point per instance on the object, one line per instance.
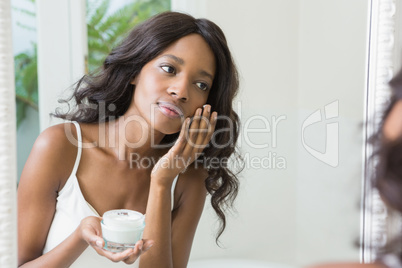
(168, 126)
(169, 131)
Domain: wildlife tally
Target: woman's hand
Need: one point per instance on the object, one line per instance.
(190, 143)
(91, 232)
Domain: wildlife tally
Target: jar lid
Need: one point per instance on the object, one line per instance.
(123, 218)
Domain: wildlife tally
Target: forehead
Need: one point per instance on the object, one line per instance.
(194, 51)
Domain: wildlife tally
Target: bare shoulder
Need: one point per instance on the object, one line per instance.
(53, 154)
(57, 142)
(61, 136)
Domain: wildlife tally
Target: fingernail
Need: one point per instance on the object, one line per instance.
(209, 108)
(198, 111)
(99, 243)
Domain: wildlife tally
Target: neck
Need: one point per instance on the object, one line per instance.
(130, 139)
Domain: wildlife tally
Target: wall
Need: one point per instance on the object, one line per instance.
(64, 30)
(295, 57)
(265, 54)
(332, 67)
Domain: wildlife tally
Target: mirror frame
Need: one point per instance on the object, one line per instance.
(8, 148)
(378, 223)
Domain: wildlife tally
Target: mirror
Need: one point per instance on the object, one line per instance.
(302, 103)
(305, 62)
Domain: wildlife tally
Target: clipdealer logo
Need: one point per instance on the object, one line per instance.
(254, 137)
(331, 154)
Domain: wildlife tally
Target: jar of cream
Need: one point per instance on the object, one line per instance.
(122, 228)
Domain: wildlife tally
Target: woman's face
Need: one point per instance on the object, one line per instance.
(392, 128)
(174, 84)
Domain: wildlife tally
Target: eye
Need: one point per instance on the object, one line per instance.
(202, 86)
(168, 69)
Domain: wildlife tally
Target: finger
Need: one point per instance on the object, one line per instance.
(132, 258)
(194, 127)
(90, 235)
(139, 245)
(94, 240)
(135, 254)
(182, 139)
(211, 128)
(99, 251)
(204, 127)
(120, 256)
(147, 245)
(193, 134)
(196, 145)
(176, 148)
(115, 256)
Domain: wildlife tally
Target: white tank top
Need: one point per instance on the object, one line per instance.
(71, 208)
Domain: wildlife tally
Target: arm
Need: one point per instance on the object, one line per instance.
(46, 170)
(173, 239)
(158, 226)
(174, 232)
(187, 215)
(37, 192)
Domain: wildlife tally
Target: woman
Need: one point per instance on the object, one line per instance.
(137, 107)
(388, 177)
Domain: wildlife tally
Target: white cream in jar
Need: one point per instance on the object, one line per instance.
(122, 228)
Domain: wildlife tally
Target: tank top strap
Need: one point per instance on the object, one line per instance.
(79, 152)
(79, 146)
(173, 188)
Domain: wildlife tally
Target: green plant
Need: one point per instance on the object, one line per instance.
(26, 78)
(106, 31)
(26, 82)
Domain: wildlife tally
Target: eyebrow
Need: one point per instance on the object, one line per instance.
(181, 62)
(176, 59)
(204, 73)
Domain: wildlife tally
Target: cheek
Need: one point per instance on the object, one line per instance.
(147, 90)
(199, 102)
(392, 128)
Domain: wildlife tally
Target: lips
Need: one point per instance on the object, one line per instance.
(170, 110)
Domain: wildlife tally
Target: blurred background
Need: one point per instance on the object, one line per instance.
(303, 83)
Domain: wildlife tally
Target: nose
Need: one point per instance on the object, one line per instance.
(179, 90)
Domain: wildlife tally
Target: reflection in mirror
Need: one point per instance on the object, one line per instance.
(380, 224)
